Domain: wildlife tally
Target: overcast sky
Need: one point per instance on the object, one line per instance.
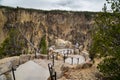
(75, 5)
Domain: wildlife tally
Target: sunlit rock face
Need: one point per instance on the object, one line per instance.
(60, 43)
(34, 24)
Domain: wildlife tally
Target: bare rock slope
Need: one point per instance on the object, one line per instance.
(34, 24)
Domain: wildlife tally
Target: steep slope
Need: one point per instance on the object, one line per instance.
(34, 24)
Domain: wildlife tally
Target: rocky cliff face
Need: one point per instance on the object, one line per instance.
(34, 24)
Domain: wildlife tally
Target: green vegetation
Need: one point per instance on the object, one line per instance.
(13, 44)
(43, 45)
(106, 41)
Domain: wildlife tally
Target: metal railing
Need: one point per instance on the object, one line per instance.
(52, 72)
(64, 57)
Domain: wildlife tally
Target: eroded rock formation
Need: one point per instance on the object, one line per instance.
(34, 24)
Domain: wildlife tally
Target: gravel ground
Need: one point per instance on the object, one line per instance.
(91, 73)
(82, 74)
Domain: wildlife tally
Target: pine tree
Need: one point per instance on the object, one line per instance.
(106, 40)
(43, 45)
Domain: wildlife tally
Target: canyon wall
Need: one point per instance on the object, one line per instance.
(34, 24)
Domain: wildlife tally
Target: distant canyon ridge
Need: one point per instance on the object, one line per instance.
(34, 24)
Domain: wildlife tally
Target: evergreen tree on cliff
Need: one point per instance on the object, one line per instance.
(106, 40)
(43, 45)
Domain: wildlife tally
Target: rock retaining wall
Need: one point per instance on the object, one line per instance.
(7, 63)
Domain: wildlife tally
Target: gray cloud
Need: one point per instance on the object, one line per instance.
(75, 5)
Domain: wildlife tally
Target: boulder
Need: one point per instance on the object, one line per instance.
(24, 58)
(86, 55)
(5, 67)
(9, 76)
(7, 63)
(66, 67)
(59, 74)
(15, 61)
(76, 51)
(79, 66)
(60, 43)
(68, 44)
(81, 47)
(3, 77)
(87, 65)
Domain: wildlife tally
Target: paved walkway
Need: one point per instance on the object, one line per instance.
(31, 71)
(38, 68)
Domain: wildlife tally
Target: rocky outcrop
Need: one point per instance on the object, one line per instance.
(6, 64)
(60, 43)
(34, 24)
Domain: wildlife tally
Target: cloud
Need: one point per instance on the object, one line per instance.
(75, 5)
(84, 5)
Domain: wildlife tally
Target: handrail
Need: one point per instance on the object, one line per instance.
(53, 73)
